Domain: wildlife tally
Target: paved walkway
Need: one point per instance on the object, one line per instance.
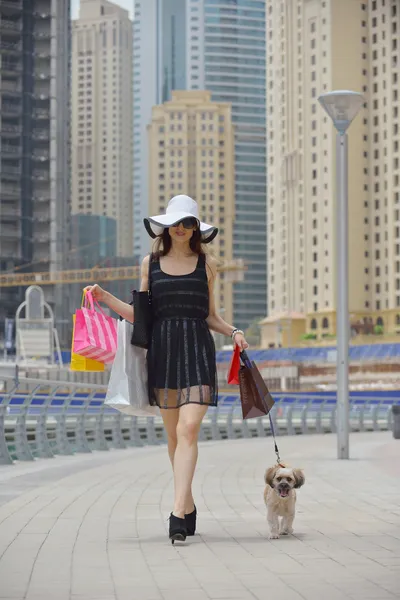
(95, 527)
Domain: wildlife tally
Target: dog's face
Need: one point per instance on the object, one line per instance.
(284, 479)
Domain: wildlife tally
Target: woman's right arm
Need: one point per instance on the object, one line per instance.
(121, 308)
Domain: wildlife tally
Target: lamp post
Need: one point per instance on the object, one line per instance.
(342, 106)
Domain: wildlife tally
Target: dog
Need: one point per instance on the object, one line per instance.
(280, 498)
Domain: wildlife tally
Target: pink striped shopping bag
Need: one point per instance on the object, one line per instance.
(95, 333)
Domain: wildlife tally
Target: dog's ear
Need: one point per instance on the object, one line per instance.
(269, 476)
(299, 478)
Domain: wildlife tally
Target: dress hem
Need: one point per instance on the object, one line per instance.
(214, 404)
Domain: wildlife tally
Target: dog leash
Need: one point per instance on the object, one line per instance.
(247, 363)
(278, 458)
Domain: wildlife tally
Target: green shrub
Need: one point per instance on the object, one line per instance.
(309, 336)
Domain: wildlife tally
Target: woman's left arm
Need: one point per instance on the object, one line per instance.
(214, 321)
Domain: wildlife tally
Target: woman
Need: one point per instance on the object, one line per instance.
(181, 357)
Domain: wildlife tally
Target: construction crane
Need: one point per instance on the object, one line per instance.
(233, 269)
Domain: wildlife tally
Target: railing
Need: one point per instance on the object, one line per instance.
(39, 419)
(10, 25)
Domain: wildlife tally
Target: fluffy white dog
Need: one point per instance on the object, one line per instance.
(280, 498)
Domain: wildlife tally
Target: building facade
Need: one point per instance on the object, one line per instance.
(35, 144)
(191, 151)
(315, 47)
(219, 47)
(384, 163)
(102, 103)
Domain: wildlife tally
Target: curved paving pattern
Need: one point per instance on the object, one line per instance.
(95, 527)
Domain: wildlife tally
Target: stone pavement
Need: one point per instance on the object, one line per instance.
(94, 527)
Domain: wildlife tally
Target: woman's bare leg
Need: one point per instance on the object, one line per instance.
(170, 418)
(185, 458)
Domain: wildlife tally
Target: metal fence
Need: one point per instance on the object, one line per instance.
(40, 418)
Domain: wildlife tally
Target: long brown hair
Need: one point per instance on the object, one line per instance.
(163, 244)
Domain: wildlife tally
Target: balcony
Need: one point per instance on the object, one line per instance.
(10, 67)
(42, 238)
(10, 131)
(10, 233)
(9, 191)
(43, 34)
(10, 26)
(10, 109)
(41, 134)
(42, 219)
(10, 6)
(42, 53)
(10, 47)
(40, 175)
(42, 15)
(10, 150)
(10, 87)
(10, 212)
(40, 155)
(41, 113)
(42, 75)
(41, 256)
(10, 172)
(41, 96)
(41, 199)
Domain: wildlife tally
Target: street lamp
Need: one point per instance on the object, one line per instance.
(342, 106)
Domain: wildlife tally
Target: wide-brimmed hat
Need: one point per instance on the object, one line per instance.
(179, 208)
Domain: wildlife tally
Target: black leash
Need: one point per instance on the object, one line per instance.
(247, 363)
(278, 458)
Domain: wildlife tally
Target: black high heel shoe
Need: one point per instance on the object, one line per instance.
(177, 529)
(190, 520)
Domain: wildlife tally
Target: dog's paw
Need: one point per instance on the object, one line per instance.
(274, 536)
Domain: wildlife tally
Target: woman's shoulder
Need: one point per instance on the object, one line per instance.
(146, 264)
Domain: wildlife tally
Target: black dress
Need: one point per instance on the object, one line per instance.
(181, 357)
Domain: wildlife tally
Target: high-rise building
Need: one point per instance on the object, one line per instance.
(384, 163)
(219, 47)
(102, 106)
(35, 143)
(191, 144)
(312, 48)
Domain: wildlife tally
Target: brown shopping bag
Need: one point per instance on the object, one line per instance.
(254, 395)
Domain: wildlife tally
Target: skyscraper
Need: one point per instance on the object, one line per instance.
(102, 117)
(191, 141)
(219, 47)
(316, 47)
(35, 143)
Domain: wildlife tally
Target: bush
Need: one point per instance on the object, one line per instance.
(309, 336)
(378, 330)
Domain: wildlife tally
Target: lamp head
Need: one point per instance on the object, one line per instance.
(342, 106)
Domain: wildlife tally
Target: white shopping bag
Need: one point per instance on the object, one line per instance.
(127, 388)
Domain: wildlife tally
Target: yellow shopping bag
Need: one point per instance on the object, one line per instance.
(81, 363)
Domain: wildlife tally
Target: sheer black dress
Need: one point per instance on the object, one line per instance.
(181, 357)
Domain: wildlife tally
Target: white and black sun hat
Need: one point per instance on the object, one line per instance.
(179, 208)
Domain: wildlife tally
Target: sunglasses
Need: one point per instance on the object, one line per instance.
(188, 223)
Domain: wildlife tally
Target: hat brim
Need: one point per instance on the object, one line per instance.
(156, 225)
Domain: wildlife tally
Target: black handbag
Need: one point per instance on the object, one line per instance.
(143, 315)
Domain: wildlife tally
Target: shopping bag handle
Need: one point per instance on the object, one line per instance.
(245, 358)
(90, 303)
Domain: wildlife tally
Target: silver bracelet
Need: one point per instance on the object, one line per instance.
(235, 331)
